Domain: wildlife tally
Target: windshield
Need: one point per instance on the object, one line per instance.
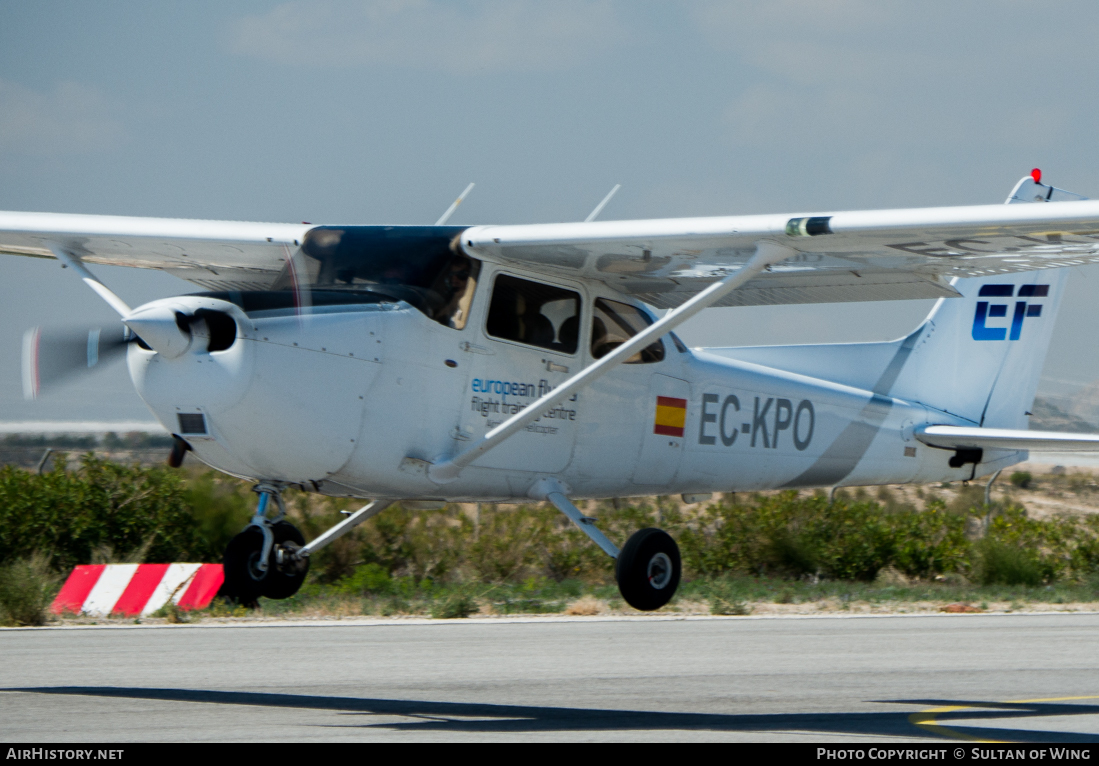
(420, 265)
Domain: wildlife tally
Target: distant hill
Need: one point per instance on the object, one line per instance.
(1047, 416)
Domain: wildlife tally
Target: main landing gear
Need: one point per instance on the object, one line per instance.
(265, 559)
(647, 568)
(270, 557)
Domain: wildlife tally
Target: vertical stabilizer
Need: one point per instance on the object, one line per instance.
(980, 356)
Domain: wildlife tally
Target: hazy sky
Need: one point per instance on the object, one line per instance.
(381, 112)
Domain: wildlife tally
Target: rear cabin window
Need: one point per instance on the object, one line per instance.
(535, 314)
(614, 323)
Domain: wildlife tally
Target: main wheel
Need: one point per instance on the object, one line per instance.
(246, 582)
(648, 569)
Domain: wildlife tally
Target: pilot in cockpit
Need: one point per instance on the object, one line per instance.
(456, 290)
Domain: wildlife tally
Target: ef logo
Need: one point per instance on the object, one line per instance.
(1023, 310)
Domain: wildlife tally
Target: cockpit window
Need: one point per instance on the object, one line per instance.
(535, 314)
(614, 323)
(416, 264)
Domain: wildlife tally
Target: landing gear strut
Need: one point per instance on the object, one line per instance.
(264, 559)
(647, 568)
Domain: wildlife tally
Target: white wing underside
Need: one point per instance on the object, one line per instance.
(835, 257)
(216, 255)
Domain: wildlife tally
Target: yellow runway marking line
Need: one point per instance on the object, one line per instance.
(925, 719)
(1050, 699)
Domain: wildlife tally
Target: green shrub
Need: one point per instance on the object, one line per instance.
(454, 607)
(417, 544)
(722, 606)
(1022, 479)
(1003, 564)
(929, 542)
(848, 539)
(27, 587)
(101, 505)
(507, 544)
(220, 508)
(368, 579)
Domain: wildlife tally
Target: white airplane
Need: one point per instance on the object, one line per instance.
(510, 363)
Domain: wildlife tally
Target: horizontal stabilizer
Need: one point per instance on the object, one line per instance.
(960, 437)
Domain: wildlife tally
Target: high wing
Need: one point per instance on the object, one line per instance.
(853, 256)
(834, 257)
(959, 437)
(216, 255)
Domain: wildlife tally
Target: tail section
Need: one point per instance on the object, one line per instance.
(980, 356)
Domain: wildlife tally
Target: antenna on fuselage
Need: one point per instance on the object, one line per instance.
(450, 210)
(599, 208)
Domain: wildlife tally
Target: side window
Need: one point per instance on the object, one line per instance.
(535, 314)
(614, 323)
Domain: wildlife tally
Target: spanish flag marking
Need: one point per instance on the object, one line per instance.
(671, 416)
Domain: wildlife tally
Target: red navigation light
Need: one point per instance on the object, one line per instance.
(1036, 174)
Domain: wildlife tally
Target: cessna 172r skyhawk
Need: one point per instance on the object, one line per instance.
(507, 363)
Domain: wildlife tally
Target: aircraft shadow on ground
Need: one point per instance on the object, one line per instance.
(510, 719)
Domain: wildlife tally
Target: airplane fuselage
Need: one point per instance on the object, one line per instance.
(358, 400)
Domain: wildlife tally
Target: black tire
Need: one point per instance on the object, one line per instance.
(284, 582)
(648, 569)
(243, 582)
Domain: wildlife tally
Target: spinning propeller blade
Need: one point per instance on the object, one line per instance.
(53, 356)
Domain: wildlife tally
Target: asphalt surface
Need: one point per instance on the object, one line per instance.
(1012, 677)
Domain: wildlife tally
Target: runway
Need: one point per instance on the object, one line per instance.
(919, 679)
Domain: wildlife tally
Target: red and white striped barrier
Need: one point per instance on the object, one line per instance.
(137, 589)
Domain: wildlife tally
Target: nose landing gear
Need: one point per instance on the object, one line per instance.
(264, 559)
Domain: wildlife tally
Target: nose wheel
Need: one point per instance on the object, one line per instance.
(263, 560)
(648, 569)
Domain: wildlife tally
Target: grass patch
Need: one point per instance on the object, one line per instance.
(27, 587)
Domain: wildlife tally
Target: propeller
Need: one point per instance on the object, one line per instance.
(54, 356)
(51, 357)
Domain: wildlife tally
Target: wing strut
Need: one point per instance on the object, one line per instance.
(767, 253)
(90, 280)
